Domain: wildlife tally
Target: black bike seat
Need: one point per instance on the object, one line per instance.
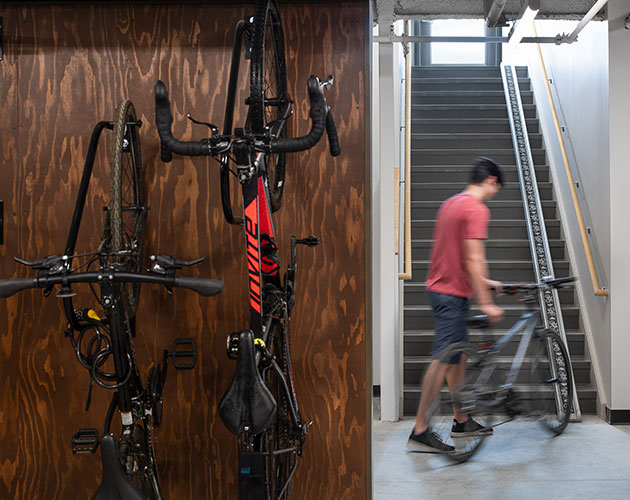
(248, 403)
(115, 484)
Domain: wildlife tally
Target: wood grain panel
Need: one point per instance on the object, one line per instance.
(66, 68)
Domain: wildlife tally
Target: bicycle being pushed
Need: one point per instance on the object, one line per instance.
(104, 341)
(489, 394)
(260, 406)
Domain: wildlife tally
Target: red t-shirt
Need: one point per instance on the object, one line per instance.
(461, 217)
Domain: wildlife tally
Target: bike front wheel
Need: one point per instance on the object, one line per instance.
(552, 382)
(126, 211)
(474, 396)
(269, 102)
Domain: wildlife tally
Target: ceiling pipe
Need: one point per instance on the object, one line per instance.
(586, 19)
(494, 13)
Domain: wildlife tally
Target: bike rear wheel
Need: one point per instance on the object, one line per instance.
(126, 215)
(474, 395)
(268, 102)
(552, 383)
(281, 441)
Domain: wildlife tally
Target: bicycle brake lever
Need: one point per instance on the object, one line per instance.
(327, 83)
(213, 128)
(190, 262)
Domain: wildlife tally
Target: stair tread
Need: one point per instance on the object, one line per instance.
(498, 222)
(476, 333)
(581, 386)
(500, 360)
(493, 242)
(473, 307)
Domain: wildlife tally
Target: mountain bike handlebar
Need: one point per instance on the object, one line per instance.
(320, 114)
(514, 288)
(203, 286)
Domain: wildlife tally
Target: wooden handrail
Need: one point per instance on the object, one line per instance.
(597, 290)
(406, 275)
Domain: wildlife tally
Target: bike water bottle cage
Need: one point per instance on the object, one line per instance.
(248, 405)
(115, 483)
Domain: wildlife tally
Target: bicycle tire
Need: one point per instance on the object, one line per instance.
(552, 382)
(268, 90)
(126, 215)
(475, 400)
(281, 440)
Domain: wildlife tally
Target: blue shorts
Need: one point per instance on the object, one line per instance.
(451, 322)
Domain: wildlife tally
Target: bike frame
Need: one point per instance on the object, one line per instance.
(529, 324)
(110, 294)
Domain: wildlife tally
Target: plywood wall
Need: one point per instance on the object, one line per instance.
(66, 67)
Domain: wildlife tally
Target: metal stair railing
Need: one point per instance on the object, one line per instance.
(538, 242)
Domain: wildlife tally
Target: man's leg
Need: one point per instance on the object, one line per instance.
(454, 375)
(431, 385)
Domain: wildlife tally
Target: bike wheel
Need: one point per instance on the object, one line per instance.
(268, 104)
(552, 383)
(126, 216)
(282, 441)
(474, 395)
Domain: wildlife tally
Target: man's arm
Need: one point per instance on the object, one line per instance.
(477, 268)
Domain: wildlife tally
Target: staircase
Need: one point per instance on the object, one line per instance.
(459, 113)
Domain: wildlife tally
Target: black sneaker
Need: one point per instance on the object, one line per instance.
(469, 428)
(428, 441)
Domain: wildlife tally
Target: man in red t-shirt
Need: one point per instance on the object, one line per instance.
(458, 271)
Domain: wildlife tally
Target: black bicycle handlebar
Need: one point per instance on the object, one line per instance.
(320, 114)
(203, 286)
(164, 120)
(513, 288)
(321, 117)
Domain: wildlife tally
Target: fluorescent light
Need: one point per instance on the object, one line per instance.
(520, 25)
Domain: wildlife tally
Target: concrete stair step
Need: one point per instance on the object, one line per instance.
(467, 125)
(462, 71)
(421, 317)
(498, 228)
(587, 397)
(467, 111)
(510, 271)
(419, 343)
(423, 210)
(466, 156)
(416, 295)
(440, 191)
(495, 249)
(470, 141)
(414, 368)
(461, 173)
(492, 83)
(465, 97)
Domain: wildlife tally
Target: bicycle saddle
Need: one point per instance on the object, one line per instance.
(248, 402)
(115, 484)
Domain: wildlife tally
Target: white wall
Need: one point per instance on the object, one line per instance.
(386, 96)
(579, 74)
(619, 90)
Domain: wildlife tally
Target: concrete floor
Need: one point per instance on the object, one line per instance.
(591, 460)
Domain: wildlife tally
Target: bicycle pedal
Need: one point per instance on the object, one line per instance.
(184, 353)
(85, 441)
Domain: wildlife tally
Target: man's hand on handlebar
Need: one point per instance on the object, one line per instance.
(494, 312)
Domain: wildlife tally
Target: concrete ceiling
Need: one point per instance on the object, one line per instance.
(387, 11)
